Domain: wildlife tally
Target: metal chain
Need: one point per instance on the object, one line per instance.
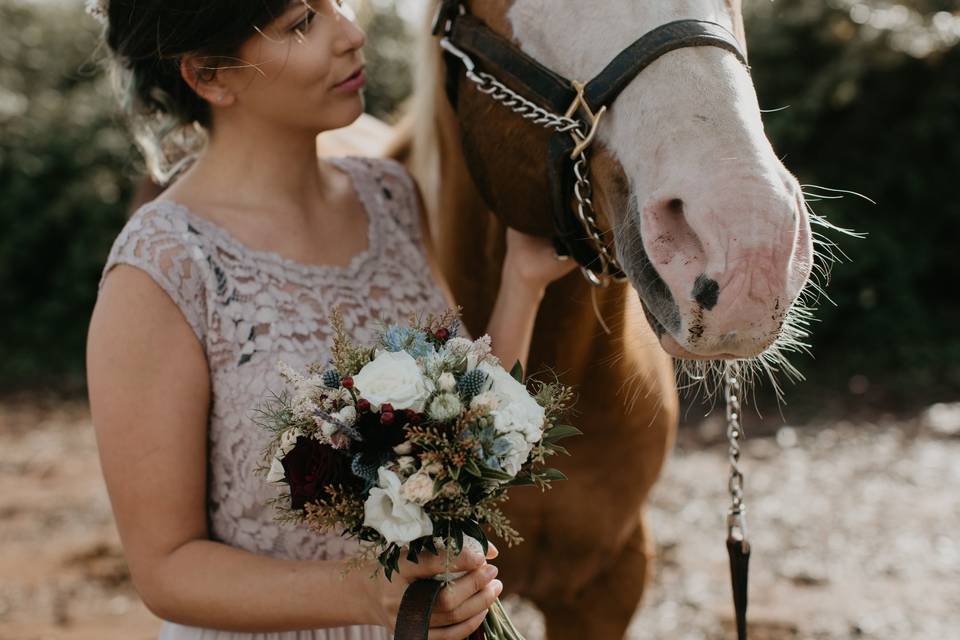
(501, 93)
(583, 190)
(736, 518)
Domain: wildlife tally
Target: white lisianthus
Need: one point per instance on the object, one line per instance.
(445, 407)
(418, 488)
(447, 382)
(517, 409)
(277, 474)
(393, 378)
(397, 519)
(517, 454)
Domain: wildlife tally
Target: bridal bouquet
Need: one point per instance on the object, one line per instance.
(409, 445)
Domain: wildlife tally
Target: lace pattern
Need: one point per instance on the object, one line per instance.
(249, 309)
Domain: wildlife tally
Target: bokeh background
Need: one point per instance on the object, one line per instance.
(864, 96)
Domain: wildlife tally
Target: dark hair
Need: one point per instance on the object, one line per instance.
(148, 39)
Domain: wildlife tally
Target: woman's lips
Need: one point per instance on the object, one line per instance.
(354, 83)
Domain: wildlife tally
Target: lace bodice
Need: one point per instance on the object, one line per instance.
(249, 309)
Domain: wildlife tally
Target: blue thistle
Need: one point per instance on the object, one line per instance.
(472, 383)
(397, 338)
(366, 471)
(331, 379)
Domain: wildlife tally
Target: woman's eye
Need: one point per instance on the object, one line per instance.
(304, 24)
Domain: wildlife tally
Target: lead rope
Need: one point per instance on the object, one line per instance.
(737, 545)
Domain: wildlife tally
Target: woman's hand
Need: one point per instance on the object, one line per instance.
(533, 261)
(461, 606)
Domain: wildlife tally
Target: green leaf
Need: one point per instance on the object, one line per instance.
(552, 474)
(470, 466)
(492, 474)
(555, 448)
(517, 372)
(560, 432)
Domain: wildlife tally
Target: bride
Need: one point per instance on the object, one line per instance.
(235, 266)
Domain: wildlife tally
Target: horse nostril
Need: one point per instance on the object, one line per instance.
(706, 292)
(675, 206)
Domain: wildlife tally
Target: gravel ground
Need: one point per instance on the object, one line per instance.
(854, 530)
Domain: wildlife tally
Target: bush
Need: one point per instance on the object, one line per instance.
(67, 170)
(876, 111)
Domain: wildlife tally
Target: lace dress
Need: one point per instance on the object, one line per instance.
(250, 309)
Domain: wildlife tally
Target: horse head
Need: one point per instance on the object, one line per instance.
(706, 222)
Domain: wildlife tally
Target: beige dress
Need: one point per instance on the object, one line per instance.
(249, 309)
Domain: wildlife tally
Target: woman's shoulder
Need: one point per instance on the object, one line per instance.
(160, 241)
(387, 183)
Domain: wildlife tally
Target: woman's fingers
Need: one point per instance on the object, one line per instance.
(430, 565)
(458, 631)
(477, 602)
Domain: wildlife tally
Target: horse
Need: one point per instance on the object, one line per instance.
(712, 233)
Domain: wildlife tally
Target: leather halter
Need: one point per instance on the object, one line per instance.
(551, 92)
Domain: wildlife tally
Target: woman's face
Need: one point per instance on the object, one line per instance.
(303, 71)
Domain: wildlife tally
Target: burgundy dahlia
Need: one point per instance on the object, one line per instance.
(310, 466)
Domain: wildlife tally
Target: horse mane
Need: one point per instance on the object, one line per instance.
(423, 135)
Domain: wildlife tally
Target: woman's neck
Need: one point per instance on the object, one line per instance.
(245, 167)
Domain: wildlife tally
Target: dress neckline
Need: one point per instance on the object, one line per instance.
(357, 175)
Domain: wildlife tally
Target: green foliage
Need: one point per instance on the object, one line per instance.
(868, 116)
(873, 110)
(65, 168)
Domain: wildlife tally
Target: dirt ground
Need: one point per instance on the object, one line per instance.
(855, 531)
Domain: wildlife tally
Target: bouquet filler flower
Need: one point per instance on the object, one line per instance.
(410, 445)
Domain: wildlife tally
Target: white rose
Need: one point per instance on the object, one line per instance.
(418, 488)
(277, 474)
(517, 410)
(445, 407)
(393, 378)
(517, 454)
(447, 382)
(398, 520)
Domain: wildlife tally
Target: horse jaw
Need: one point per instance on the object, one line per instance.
(713, 232)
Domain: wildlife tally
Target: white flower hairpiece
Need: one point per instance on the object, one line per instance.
(98, 9)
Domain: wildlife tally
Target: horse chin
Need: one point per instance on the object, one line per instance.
(673, 348)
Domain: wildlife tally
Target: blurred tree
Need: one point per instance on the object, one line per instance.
(874, 94)
(873, 90)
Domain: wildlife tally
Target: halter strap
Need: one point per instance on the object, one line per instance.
(551, 91)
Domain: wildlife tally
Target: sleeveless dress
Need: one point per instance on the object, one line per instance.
(250, 309)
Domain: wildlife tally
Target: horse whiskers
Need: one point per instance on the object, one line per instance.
(774, 365)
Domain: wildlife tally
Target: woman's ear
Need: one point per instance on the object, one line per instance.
(202, 77)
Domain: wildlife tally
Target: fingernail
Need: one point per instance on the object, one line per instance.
(497, 587)
(490, 571)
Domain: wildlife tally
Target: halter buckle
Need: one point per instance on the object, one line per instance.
(593, 119)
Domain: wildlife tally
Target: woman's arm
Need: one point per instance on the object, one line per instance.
(150, 395)
(530, 264)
